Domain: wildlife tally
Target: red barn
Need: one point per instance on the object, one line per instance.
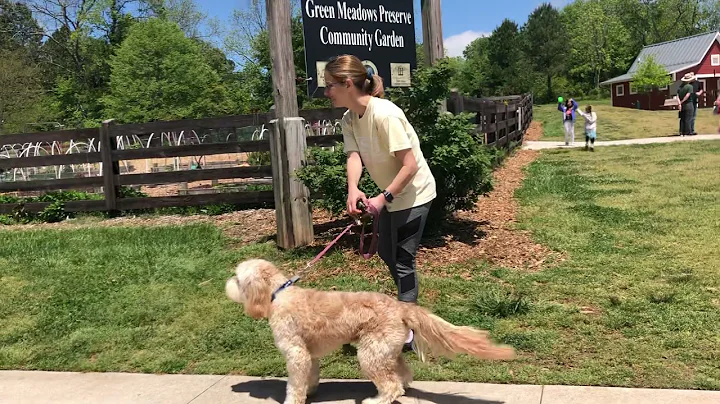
(699, 54)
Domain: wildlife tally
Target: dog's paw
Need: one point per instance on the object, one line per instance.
(377, 400)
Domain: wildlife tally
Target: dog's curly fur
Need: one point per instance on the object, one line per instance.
(308, 324)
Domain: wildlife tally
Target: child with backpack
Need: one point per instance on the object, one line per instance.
(590, 127)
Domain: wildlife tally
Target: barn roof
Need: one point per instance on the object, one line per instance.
(675, 55)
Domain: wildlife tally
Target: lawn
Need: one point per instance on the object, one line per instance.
(621, 123)
(634, 304)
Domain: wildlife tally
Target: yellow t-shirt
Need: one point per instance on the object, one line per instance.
(376, 136)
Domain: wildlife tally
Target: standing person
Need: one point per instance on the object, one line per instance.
(716, 109)
(377, 135)
(590, 127)
(695, 97)
(686, 106)
(568, 109)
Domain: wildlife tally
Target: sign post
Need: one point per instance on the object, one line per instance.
(432, 36)
(287, 136)
(432, 31)
(381, 33)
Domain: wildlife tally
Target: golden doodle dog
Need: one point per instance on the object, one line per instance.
(308, 324)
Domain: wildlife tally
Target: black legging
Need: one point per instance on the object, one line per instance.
(399, 239)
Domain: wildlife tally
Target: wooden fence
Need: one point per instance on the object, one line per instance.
(110, 157)
(500, 122)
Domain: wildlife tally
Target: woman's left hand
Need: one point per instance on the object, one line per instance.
(378, 202)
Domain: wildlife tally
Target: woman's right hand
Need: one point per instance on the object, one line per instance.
(355, 195)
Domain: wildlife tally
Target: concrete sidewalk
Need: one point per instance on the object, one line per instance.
(540, 145)
(25, 387)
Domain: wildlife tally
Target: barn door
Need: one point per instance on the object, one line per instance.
(702, 100)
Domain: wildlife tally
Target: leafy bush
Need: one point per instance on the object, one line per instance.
(326, 174)
(259, 158)
(55, 212)
(461, 165)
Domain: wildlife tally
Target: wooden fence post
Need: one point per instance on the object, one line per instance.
(508, 133)
(287, 141)
(108, 144)
(456, 103)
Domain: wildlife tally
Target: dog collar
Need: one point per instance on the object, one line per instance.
(285, 286)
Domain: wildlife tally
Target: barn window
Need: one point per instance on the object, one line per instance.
(620, 90)
(633, 89)
(715, 60)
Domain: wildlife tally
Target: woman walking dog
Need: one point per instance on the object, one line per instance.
(377, 134)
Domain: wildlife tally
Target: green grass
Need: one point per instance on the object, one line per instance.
(620, 123)
(634, 304)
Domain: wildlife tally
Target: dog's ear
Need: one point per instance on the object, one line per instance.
(258, 301)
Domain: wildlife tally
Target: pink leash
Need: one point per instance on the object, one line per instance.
(373, 243)
(367, 255)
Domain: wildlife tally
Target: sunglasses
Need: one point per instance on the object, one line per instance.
(331, 85)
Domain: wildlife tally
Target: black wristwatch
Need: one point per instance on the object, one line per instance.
(388, 196)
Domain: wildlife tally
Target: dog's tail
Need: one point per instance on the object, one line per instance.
(433, 334)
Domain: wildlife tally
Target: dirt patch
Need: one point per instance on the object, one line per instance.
(487, 232)
(534, 132)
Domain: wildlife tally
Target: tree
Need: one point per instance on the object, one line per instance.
(650, 75)
(159, 74)
(600, 46)
(20, 91)
(504, 57)
(80, 35)
(18, 28)
(249, 40)
(710, 11)
(546, 42)
(246, 25)
(184, 13)
(653, 21)
(473, 75)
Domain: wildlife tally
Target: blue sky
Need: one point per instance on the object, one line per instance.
(463, 20)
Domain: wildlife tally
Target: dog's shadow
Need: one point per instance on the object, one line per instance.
(350, 390)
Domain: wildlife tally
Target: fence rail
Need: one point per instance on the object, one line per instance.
(500, 122)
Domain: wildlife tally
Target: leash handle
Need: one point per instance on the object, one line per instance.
(374, 241)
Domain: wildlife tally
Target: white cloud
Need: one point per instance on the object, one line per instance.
(456, 44)
(559, 3)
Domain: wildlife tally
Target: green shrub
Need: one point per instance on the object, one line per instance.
(55, 212)
(259, 158)
(461, 165)
(325, 174)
